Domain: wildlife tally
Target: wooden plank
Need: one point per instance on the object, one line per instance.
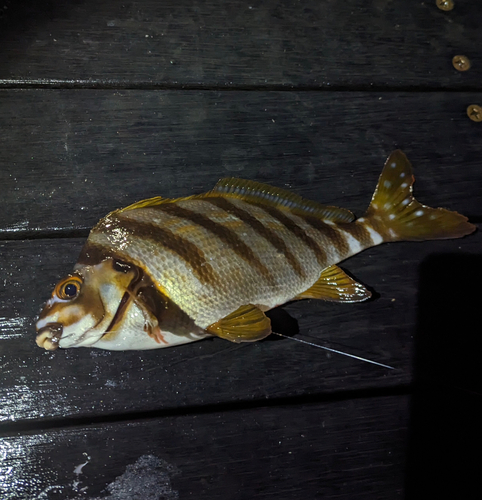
(345, 450)
(70, 157)
(77, 383)
(226, 43)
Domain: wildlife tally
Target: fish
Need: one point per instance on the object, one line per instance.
(164, 272)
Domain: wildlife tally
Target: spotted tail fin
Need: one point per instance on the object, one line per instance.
(397, 215)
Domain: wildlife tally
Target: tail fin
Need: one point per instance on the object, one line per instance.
(397, 215)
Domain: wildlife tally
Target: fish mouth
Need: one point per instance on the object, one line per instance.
(49, 336)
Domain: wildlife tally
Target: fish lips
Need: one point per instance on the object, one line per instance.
(49, 336)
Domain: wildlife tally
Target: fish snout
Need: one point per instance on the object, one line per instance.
(49, 336)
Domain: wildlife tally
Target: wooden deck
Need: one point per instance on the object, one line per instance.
(103, 103)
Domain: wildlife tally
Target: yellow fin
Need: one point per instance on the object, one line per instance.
(397, 215)
(336, 286)
(246, 324)
(159, 200)
(263, 194)
(268, 195)
(149, 202)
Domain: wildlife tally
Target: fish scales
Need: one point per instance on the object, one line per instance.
(165, 272)
(231, 278)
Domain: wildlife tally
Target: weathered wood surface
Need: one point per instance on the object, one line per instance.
(42, 386)
(71, 156)
(231, 43)
(81, 382)
(313, 451)
(149, 116)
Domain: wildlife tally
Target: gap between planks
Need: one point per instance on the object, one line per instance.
(34, 426)
(12, 84)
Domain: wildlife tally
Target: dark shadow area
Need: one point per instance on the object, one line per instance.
(445, 433)
(281, 322)
(19, 15)
(18, 18)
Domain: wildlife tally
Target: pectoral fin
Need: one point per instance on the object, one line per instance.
(336, 286)
(246, 324)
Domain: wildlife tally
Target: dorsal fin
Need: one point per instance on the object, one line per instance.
(149, 202)
(258, 192)
(158, 200)
(263, 194)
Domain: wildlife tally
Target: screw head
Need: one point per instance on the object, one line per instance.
(445, 4)
(474, 112)
(461, 63)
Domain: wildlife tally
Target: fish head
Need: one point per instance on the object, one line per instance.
(84, 304)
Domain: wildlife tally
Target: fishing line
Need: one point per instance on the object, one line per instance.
(335, 351)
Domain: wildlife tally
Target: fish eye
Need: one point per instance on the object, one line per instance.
(69, 288)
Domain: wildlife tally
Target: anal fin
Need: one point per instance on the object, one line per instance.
(336, 286)
(246, 324)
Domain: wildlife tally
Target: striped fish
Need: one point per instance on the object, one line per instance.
(164, 272)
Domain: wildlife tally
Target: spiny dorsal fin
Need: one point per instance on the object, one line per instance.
(246, 324)
(397, 215)
(158, 200)
(265, 194)
(336, 286)
(149, 202)
(258, 193)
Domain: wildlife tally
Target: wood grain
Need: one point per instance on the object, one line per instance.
(230, 43)
(105, 103)
(346, 450)
(77, 383)
(70, 157)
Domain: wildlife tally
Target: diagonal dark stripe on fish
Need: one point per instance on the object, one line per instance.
(164, 272)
